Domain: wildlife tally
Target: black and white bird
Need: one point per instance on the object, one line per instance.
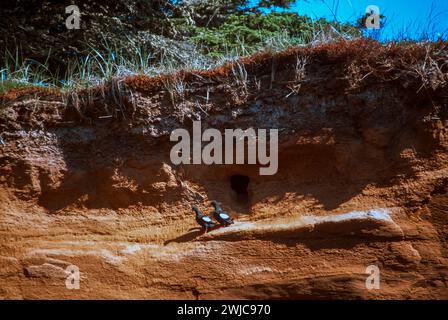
(203, 220)
(220, 216)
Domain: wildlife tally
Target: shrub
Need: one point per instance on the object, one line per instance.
(248, 33)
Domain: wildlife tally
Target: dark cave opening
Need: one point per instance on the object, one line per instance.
(239, 184)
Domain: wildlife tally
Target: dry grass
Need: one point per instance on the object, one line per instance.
(299, 76)
(239, 73)
(433, 69)
(412, 65)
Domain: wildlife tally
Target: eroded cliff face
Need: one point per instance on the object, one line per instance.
(86, 179)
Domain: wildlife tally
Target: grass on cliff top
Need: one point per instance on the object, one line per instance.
(416, 65)
(208, 48)
(239, 36)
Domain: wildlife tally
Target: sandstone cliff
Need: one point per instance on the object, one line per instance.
(86, 180)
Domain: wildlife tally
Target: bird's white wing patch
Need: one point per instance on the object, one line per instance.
(224, 216)
(207, 219)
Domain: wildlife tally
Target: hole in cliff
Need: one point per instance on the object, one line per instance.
(239, 184)
(240, 193)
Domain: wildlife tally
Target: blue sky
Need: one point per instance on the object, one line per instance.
(409, 17)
